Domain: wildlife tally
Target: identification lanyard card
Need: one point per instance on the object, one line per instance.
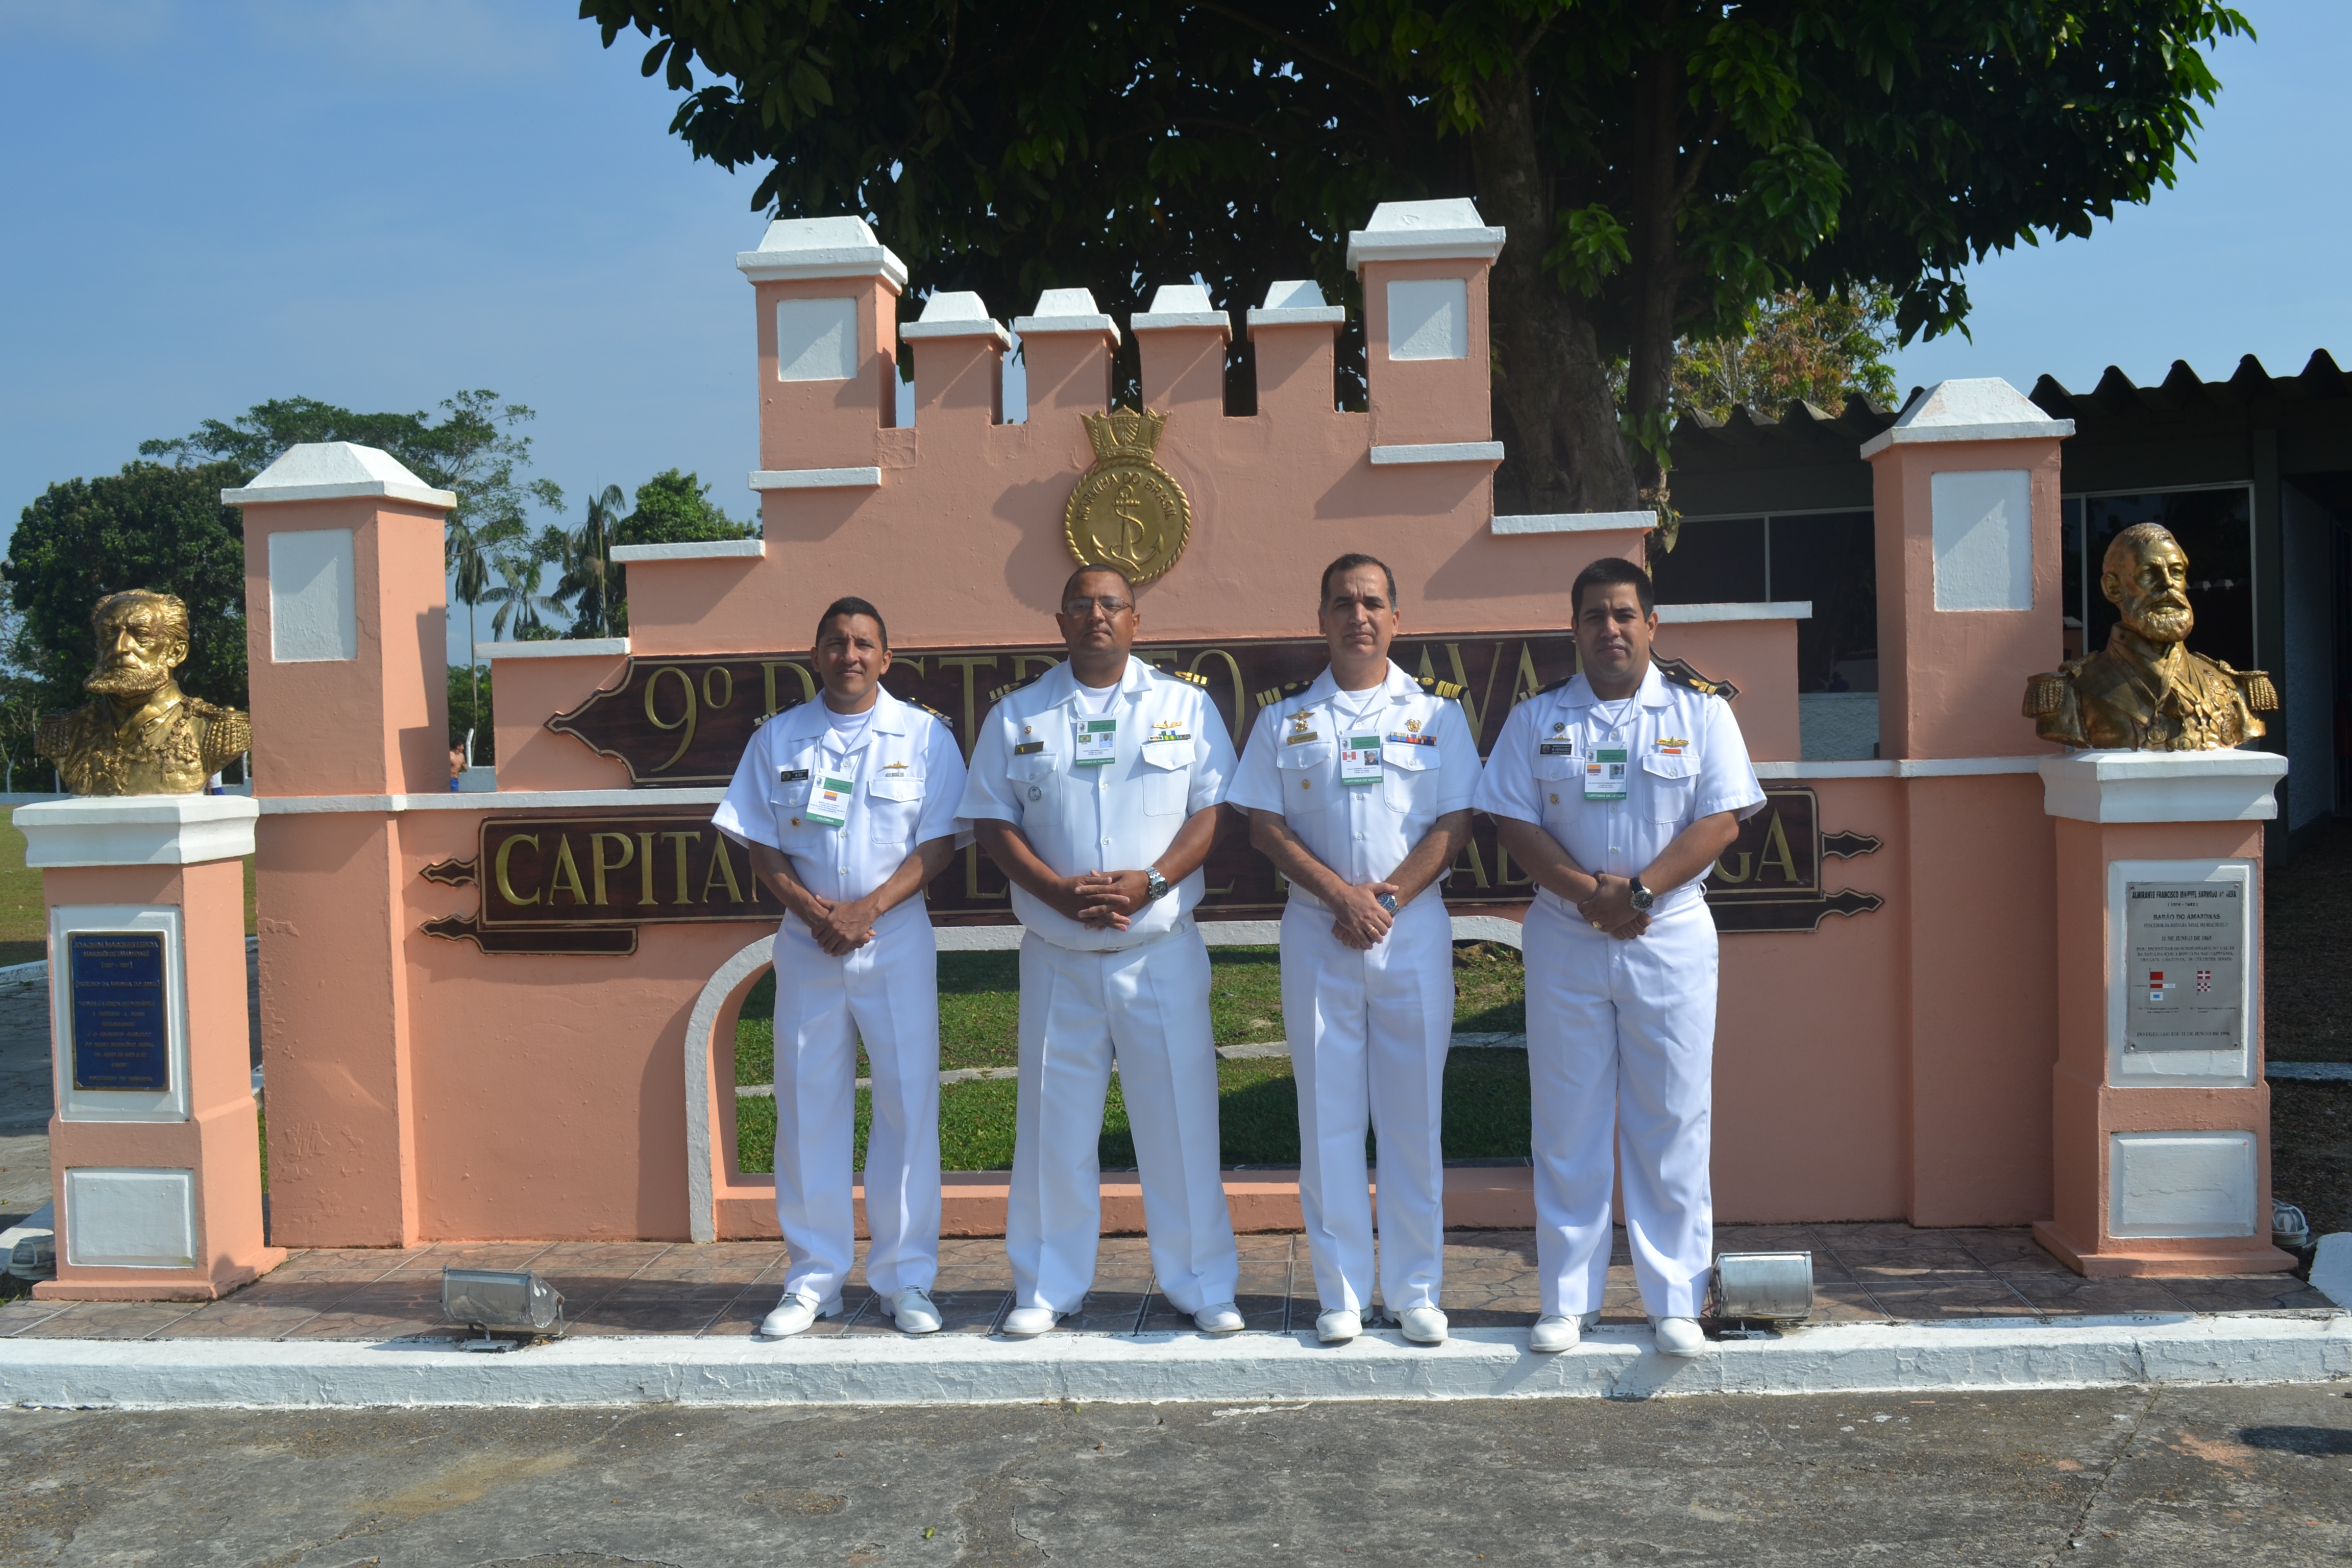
(1604, 774)
(829, 793)
(1097, 742)
(1360, 763)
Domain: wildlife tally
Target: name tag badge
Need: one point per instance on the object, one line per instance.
(1027, 748)
(1097, 742)
(1360, 762)
(1555, 748)
(828, 802)
(792, 775)
(1604, 774)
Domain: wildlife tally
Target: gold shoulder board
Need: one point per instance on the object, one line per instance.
(1555, 686)
(2262, 697)
(1195, 677)
(936, 714)
(1445, 689)
(1010, 687)
(1274, 694)
(2045, 695)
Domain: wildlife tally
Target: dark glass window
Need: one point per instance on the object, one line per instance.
(2215, 529)
(1830, 560)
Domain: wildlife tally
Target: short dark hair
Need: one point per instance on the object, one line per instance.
(1070, 584)
(1605, 572)
(852, 607)
(1349, 563)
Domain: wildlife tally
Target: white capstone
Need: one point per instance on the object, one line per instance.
(816, 340)
(1295, 302)
(1758, 610)
(1429, 318)
(1976, 408)
(1425, 231)
(1441, 452)
(1574, 523)
(820, 248)
(1067, 311)
(1181, 305)
(136, 1218)
(814, 478)
(2180, 1185)
(1982, 520)
(698, 549)
(2156, 786)
(332, 470)
(957, 315)
(138, 829)
(314, 597)
(558, 648)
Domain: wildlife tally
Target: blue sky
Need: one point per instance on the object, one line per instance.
(375, 204)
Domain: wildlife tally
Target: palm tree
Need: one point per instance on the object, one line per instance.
(518, 593)
(587, 562)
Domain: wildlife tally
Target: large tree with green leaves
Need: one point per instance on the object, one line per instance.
(1661, 165)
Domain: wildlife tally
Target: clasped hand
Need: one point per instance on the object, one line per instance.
(1103, 901)
(840, 928)
(1610, 908)
(1358, 917)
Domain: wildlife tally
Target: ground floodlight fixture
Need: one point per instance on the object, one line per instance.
(496, 1302)
(1764, 1287)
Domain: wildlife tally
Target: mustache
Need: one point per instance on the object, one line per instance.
(125, 680)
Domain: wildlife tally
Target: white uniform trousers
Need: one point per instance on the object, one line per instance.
(1620, 1036)
(1369, 1032)
(888, 992)
(1149, 1005)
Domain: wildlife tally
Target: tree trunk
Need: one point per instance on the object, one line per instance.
(1650, 369)
(1550, 379)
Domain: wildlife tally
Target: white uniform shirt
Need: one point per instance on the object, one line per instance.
(1170, 757)
(1428, 765)
(908, 775)
(1685, 760)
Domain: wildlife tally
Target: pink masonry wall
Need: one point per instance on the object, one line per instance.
(1890, 1065)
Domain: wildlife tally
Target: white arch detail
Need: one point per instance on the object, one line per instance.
(702, 1218)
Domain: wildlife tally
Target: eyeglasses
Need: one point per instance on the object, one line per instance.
(1108, 606)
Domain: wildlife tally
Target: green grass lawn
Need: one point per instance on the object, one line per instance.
(24, 920)
(1485, 1090)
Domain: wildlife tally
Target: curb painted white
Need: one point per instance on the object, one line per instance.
(2331, 1268)
(958, 1369)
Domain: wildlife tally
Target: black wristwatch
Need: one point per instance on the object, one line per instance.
(1155, 886)
(1641, 898)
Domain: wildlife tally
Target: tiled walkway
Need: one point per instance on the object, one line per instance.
(1862, 1273)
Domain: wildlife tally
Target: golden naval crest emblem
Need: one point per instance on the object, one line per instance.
(1127, 511)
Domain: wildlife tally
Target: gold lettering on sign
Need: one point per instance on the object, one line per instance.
(969, 663)
(1503, 878)
(566, 873)
(721, 868)
(1776, 852)
(1727, 874)
(685, 720)
(681, 840)
(598, 865)
(645, 868)
(1472, 862)
(506, 887)
(768, 675)
(1233, 669)
(972, 888)
(726, 692)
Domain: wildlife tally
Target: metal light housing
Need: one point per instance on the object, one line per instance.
(1771, 1287)
(501, 1300)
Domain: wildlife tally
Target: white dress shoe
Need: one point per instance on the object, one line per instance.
(1337, 1326)
(1678, 1336)
(1027, 1323)
(1555, 1334)
(794, 1313)
(1422, 1325)
(1222, 1319)
(912, 1311)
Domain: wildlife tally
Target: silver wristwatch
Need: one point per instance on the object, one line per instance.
(1641, 898)
(1155, 886)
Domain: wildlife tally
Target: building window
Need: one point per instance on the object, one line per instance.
(1828, 557)
(2215, 529)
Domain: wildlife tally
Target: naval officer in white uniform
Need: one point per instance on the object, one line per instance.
(849, 806)
(1359, 785)
(1618, 789)
(1096, 787)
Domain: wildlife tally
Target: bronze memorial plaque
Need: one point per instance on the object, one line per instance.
(2185, 946)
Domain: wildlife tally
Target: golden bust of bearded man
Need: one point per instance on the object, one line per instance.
(142, 736)
(2144, 691)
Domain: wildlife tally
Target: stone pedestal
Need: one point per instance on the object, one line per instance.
(155, 1143)
(2159, 1114)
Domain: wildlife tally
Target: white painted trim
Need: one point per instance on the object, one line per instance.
(916, 331)
(1446, 229)
(390, 490)
(1034, 326)
(1177, 320)
(821, 248)
(1299, 316)
(701, 1206)
(1899, 768)
(701, 550)
(1576, 522)
(2022, 430)
(485, 799)
(1969, 408)
(558, 647)
(2162, 786)
(138, 830)
(814, 478)
(1771, 610)
(2154, 1349)
(1441, 452)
